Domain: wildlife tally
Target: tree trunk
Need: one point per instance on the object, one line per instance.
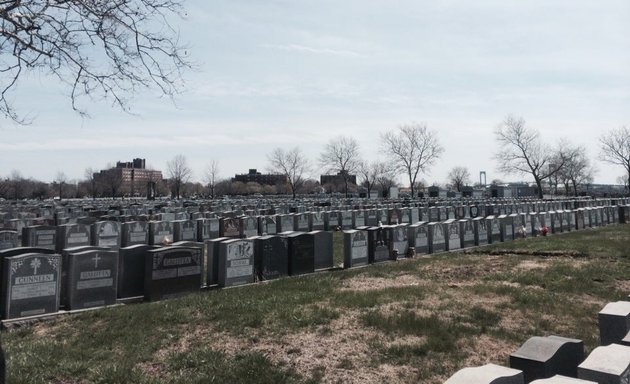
(539, 185)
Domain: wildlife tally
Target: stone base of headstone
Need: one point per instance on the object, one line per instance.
(614, 322)
(487, 374)
(558, 379)
(609, 364)
(544, 357)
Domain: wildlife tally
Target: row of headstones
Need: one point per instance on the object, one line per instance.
(40, 281)
(558, 360)
(115, 234)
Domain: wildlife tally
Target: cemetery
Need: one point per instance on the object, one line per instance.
(299, 267)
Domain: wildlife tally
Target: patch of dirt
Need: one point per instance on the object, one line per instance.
(364, 283)
(563, 253)
(483, 349)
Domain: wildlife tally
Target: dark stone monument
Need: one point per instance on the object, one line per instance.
(229, 227)
(30, 285)
(134, 233)
(480, 226)
(236, 262)
(378, 244)
(468, 232)
(207, 228)
(172, 272)
(271, 259)
(419, 237)
(131, 264)
(8, 239)
(544, 357)
(437, 238)
(355, 249)
(92, 279)
(317, 221)
(106, 234)
(248, 226)
(614, 322)
(40, 236)
(184, 230)
(323, 249)
(301, 253)
(160, 233)
(212, 252)
(453, 234)
(72, 235)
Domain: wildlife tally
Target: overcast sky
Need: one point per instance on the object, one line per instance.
(291, 72)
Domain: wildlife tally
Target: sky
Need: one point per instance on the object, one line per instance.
(286, 73)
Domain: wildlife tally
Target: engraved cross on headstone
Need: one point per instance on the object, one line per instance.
(96, 258)
(35, 264)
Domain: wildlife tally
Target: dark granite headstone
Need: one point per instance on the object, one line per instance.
(317, 221)
(212, 252)
(453, 233)
(271, 259)
(229, 227)
(468, 232)
(8, 239)
(171, 272)
(207, 228)
(301, 253)
(106, 234)
(160, 233)
(481, 230)
(355, 249)
(92, 279)
(323, 249)
(73, 235)
(378, 244)
(134, 233)
(437, 238)
(131, 264)
(40, 236)
(236, 262)
(30, 285)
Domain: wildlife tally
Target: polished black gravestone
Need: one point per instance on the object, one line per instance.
(160, 233)
(207, 229)
(172, 272)
(271, 258)
(8, 239)
(106, 234)
(355, 248)
(40, 236)
(301, 253)
(378, 245)
(544, 357)
(131, 264)
(212, 252)
(30, 285)
(92, 279)
(134, 233)
(73, 235)
(323, 249)
(236, 262)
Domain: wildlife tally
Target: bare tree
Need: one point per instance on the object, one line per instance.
(577, 169)
(90, 182)
(17, 185)
(372, 174)
(341, 155)
(99, 49)
(179, 173)
(615, 148)
(522, 152)
(212, 174)
(624, 180)
(412, 149)
(110, 180)
(292, 164)
(459, 177)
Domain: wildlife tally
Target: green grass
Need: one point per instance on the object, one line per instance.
(424, 317)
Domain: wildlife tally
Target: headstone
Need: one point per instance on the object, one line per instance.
(271, 259)
(236, 262)
(437, 239)
(608, 364)
(419, 237)
(267, 225)
(184, 230)
(160, 233)
(301, 253)
(559, 379)
(453, 232)
(106, 234)
(399, 240)
(614, 322)
(8, 239)
(131, 264)
(481, 230)
(40, 236)
(171, 272)
(544, 357)
(212, 252)
(468, 232)
(229, 227)
(378, 244)
(355, 250)
(92, 279)
(487, 374)
(72, 235)
(248, 226)
(30, 285)
(207, 228)
(317, 221)
(323, 249)
(134, 233)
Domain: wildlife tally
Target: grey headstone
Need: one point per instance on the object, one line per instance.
(355, 250)
(487, 374)
(607, 365)
(236, 262)
(544, 357)
(614, 322)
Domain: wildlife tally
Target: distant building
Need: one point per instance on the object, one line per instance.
(261, 178)
(514, 190)
(129, 179)
(336, 183)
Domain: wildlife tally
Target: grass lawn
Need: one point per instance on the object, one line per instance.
(410, 321)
